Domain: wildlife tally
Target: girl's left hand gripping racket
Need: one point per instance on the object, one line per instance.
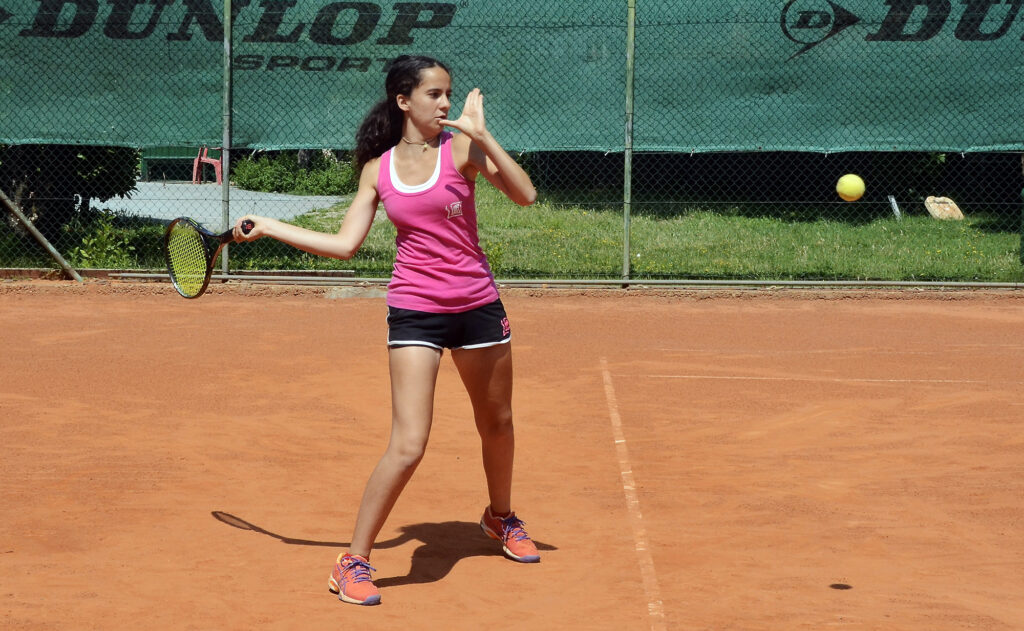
(191, 251)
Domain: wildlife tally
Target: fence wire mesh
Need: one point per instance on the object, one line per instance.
(721, 163)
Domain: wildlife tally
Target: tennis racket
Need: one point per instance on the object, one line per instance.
(191, 250)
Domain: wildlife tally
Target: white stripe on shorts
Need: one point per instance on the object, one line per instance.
(485, 345)
(413, 343)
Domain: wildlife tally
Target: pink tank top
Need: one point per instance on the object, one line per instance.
(440, 267)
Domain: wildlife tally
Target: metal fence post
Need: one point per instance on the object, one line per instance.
(13, 208)
(627, 184)
(225, 150)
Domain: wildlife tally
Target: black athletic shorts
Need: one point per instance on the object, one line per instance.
(477, 328)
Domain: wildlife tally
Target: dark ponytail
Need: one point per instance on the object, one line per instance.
(381, 129)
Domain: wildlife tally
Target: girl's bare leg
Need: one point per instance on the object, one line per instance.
(413, 376)
(487, 375)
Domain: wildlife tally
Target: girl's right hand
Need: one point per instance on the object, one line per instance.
(258, 229)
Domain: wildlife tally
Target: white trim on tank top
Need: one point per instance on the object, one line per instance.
(401, 187)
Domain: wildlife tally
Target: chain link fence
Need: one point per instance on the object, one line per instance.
(667, 140)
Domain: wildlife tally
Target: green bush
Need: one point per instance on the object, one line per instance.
(281, 173)
(104, 244)
(52, 183)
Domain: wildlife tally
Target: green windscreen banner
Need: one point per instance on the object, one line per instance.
(150, 72)
(744, 75)
(829, 75)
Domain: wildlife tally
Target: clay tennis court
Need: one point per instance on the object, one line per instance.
(757, 460)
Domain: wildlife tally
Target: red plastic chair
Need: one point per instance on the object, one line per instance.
(204, 158)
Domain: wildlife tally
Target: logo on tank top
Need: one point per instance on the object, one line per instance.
(454, 209)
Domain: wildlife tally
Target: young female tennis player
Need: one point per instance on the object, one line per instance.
(442, 292)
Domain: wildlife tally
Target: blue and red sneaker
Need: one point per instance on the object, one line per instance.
(508, 529)
(351, 581)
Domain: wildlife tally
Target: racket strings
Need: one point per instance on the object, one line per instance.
(186, 257)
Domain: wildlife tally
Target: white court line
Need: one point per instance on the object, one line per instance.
(655, 608)
(822, 379)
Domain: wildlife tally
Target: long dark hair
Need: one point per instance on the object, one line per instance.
(381, 129)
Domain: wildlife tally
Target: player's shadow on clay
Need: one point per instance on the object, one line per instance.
(444, 545)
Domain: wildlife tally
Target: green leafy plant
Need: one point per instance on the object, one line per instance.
(104, 245)
(282, 173)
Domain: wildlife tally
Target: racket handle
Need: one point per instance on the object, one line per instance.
(247, 226)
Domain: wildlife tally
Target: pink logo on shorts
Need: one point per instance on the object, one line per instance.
(505, 328)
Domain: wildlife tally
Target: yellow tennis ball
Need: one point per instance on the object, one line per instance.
(850, 187)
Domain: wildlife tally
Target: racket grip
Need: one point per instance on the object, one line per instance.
(247, 226)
